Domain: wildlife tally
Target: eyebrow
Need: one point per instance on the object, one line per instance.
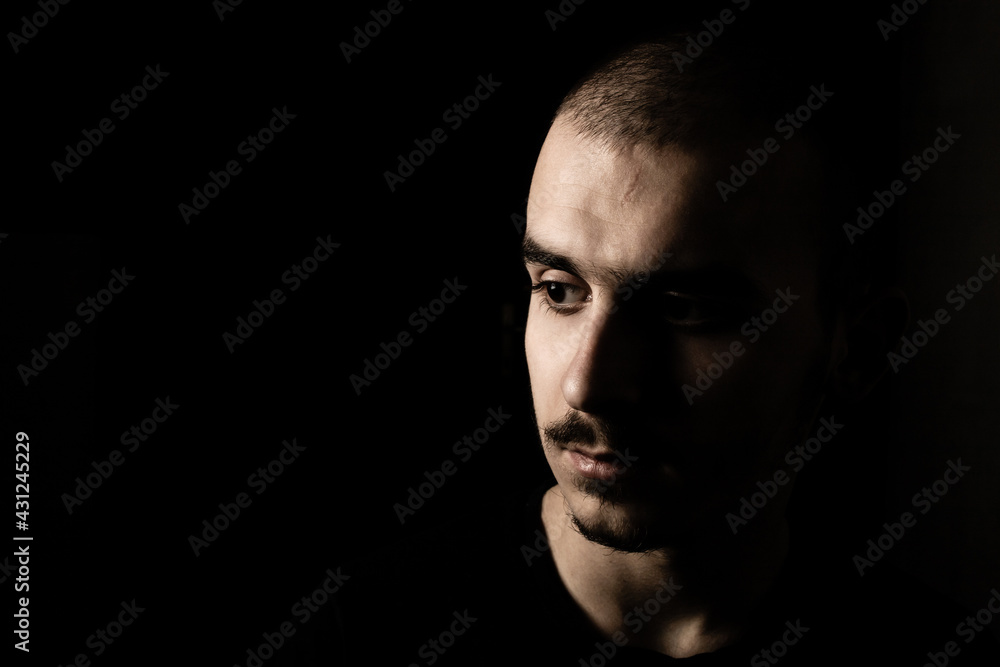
(708, 280)
(533, 253)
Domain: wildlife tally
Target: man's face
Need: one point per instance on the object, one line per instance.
(648, 282)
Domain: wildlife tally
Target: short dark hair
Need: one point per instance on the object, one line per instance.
(647, 93)
(652, 92)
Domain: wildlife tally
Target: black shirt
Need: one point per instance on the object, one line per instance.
(488, 593)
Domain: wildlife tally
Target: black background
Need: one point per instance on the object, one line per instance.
(323, 175)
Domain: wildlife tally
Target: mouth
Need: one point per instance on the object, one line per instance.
(606, 466)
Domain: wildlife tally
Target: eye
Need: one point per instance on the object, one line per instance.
(559, 296)
(693, 311)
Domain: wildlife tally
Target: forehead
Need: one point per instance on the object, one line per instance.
(625, 207)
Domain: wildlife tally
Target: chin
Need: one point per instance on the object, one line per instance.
(621, 529)
(621, 518)
(644, 514)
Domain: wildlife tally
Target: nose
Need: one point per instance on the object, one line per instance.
(605, 369)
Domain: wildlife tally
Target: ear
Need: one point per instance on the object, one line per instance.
(869, 333)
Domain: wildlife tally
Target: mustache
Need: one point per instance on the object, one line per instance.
(622, 434)
(573, 428)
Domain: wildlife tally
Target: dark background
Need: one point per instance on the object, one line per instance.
(323, 175)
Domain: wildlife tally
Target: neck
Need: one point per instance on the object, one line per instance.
(703, 589)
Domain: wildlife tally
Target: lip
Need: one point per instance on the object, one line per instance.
(601, 466)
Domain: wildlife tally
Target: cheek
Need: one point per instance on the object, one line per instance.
(546, 365)
(533, 345)
(760, 388)
(538, 354)
(544, 376)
